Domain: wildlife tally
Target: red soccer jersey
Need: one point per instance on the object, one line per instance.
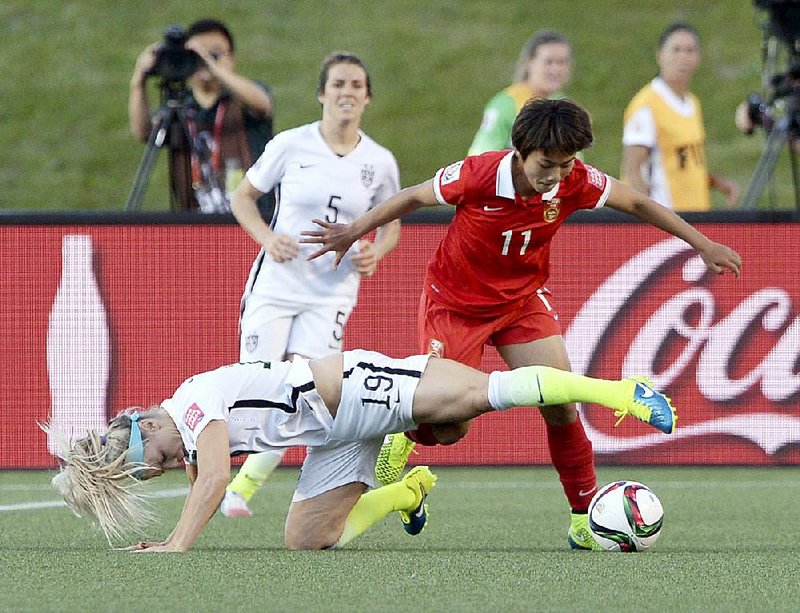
(497, 249)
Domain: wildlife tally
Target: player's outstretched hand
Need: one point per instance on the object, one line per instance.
(336, 237)
(719, 257)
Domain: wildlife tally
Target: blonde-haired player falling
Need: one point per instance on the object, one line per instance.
(323, 404)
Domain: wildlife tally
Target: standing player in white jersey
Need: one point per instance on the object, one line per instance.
(291, 306)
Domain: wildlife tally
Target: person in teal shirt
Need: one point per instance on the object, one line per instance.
(543, 69)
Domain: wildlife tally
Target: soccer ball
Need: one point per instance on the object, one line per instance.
(625, 516)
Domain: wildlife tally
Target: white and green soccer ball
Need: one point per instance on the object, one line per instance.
(625, 516)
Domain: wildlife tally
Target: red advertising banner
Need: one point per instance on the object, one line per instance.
(100, 317)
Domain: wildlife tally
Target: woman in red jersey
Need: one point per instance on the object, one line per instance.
(509, 205)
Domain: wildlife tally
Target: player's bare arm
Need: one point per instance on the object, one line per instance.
(339, 237)
(280, 247)
(213, 472)
(717, 257)
(634, 158)
(191, 476)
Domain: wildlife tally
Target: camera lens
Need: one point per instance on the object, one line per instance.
(174, 63)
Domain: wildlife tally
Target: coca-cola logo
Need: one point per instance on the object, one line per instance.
(737, 365)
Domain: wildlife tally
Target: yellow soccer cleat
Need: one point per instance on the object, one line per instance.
(419, 480)
(393, 457)
(578, 534)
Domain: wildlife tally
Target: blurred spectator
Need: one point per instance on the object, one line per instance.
(228, 118)
(664, 137)
(542, 71)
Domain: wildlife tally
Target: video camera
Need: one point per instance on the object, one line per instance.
(174, 63)
(781, 32)
(784, 19)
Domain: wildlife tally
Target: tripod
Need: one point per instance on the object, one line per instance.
(170, 128)
(785, 97)
(782, 132)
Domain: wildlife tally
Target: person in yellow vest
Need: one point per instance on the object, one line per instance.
(542, 71)
(664, 154)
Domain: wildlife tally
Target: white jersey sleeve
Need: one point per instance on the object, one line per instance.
(389, 185)
(196, 417)
(640, 129)
(268, 169)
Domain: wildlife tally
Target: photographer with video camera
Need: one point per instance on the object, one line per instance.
(225, 118)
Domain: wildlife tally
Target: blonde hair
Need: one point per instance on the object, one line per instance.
(98, 482)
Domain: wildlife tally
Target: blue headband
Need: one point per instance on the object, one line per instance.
(136, 446)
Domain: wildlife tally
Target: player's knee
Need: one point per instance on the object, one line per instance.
(309, 540)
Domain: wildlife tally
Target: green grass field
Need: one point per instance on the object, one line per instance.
(495, 541)
(64, 140)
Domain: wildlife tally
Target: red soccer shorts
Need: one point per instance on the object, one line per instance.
(447, 333)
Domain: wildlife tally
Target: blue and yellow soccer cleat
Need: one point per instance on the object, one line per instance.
(578, 534)
(419, 480)
(648, 405)
(392, 457)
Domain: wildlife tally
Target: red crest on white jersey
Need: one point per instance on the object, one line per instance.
(192, 416)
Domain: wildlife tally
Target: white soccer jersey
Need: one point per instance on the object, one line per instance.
(269, 405)
(313, 182)
(265, 405)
